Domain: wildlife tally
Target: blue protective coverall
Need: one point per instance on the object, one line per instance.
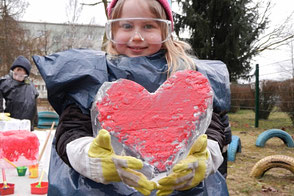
(74, 77)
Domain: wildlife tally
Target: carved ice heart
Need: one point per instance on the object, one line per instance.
(160, 127)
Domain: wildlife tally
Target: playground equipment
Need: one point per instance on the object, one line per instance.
(234, 147)
(268, 134)
(274, 161)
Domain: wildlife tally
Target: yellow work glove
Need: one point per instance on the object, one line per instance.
(189, 172)
(5, 116)
(116, 168)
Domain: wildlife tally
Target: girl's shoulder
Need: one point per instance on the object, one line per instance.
(218, 75)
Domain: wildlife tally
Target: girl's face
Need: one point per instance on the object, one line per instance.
(138, 31)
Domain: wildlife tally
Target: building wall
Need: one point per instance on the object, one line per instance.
(65, 36)
(61, 37)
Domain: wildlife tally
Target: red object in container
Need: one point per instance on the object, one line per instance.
(158, 126)
(39, 190)
(18, 146)
(6, 191)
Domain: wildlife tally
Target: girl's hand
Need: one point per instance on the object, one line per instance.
(101, 164)
(189, 172)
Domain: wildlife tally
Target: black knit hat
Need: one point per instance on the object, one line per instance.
(23, 62)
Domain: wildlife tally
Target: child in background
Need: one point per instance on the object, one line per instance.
(19, 92)
(140, 48)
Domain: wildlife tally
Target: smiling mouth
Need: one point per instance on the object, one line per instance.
(137, 48)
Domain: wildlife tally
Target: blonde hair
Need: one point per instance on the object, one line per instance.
(177, 56)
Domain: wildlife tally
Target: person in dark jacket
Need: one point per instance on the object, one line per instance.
(18, 92)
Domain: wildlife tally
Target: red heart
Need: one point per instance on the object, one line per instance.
(158, 126)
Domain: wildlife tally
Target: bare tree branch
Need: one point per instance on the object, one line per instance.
(105, 3)
(278, 36)
(91, 4)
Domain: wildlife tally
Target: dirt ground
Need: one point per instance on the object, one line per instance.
(276, 181)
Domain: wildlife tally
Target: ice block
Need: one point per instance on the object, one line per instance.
(158, 127)
(18, 146)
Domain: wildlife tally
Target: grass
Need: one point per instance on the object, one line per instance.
(276, 181)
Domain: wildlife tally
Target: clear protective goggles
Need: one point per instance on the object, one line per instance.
(18, 76)
(125, 30)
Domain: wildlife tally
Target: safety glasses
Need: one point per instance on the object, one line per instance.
(18, 76)
(150, 30)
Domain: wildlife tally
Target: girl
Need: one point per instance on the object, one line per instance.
(140, 48)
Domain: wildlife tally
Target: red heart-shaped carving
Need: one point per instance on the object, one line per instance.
(160, 127)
